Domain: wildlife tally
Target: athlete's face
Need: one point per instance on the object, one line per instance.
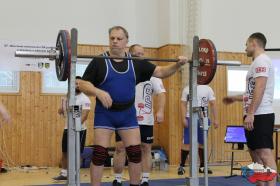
(138, 51)
(77, 90)
(118, 41)
(250, 47)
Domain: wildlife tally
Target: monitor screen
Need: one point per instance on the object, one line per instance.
(235, 134)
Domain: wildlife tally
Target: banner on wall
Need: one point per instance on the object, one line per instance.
(9, 62)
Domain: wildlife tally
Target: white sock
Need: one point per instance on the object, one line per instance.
(118, 177)
(145, 177)
(63, 172)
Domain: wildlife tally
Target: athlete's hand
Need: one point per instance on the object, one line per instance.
(249, 122)
(60, 111)
(182, 60)
(159, 116)
(228, 100)
(185, 123)
(216, 124)
(5, 118)
(104, 97)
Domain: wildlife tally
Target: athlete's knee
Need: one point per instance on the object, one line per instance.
(201, 146)
(99, 155)
(134, 153)
(120, 149)
(185, 146)
(146, 149)
(264, 154)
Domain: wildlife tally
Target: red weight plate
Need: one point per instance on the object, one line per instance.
(68, 42)
(63, 44)
(208, 62)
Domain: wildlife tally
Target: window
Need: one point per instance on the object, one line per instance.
(276, 64)
(275, 57)
(9, 81)
(236, 79)
(50, 83)
(80, 68)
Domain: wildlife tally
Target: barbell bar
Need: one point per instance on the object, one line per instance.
(54, 54)
(62, 56)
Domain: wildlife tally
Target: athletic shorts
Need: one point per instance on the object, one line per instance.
(146, 132)
(186, 137)
(83, 135)
(115, 120)
(262, 134)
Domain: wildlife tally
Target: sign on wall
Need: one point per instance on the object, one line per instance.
(9, 62)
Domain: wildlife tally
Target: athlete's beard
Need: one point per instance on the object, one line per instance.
(77, 91)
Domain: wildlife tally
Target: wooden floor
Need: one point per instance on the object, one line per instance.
(18, 176)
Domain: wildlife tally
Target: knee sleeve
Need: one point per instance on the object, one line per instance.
(99, 155)
(134, 153)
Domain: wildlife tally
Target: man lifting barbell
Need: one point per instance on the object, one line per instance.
(117, 73)
(113, 82)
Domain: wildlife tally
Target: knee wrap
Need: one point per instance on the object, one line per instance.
(134, 153)
(99, 155)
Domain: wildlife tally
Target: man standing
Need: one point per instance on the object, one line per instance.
(145, 117)
(113, 83)
(257, 100)
(84, 101)
(205, 95)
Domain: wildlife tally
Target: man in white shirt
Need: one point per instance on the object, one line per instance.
(257, 102)
(205, 95)
(84, 101)
(145, 117)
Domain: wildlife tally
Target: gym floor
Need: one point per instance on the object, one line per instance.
(43, 176)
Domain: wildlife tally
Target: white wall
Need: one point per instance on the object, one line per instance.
(229, 23)
(172, 22)
(150, 22)
(40, 20)
(147, 22)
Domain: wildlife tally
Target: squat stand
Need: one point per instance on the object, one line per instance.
(193, 179)
(204, 123)
(74, 119)
(196, 113)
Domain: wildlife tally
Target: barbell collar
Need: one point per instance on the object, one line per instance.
(50, 54)
(232, 63)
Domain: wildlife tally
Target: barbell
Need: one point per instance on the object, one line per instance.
(62, 56)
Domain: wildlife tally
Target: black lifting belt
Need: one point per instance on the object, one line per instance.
(117, 106)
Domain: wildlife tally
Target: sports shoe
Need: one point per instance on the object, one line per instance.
(201, 170)
(144, 184)
(3, 170)
(60, 178)
(116, 183)
(257, 172)
(181, 170)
